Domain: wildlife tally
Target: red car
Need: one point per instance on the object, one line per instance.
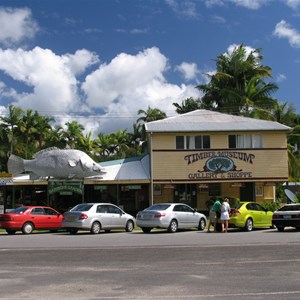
(29, 218)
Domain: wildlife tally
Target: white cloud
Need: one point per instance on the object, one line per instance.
(184, 8)
(132, 82)
(251, 4)
(51, 78)
(119, 88)
(188, 70)
(285, 30)
(123, 76)
(294, 4)
(16, 25)
(280, 78)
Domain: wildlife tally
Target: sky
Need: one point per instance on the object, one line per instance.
(98, 62)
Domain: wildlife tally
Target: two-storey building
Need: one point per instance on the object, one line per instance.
(203, 154)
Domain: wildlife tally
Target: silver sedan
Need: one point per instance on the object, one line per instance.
(172, 216)
(96, 217)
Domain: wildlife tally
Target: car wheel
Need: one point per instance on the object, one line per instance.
(202, 224)
(249, 224)
(73, 230)
(146, 229)
(280, 228)
(173, 226)
(96, 228)
(129, 226)
(27, 228)
(10, 231)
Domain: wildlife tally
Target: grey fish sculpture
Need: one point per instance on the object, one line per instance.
(57, 163)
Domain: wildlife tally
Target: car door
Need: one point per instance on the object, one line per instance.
(103, 215)
(257, 214)
(117, 217)
(191, 216)
(181, 215)
(38, 217)
(265, 216)
(53, 218)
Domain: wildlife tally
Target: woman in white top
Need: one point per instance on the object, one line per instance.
(225, 210)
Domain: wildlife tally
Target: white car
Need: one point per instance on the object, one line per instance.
(172, 216)
(96, 217)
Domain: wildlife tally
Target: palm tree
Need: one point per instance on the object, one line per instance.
(135, 139)
(121, 143)
(104, 142)
(55, 138)
(151, 114)
(12, 122)
(238, 86)
(73, 134)
(188, 105)
(88, 145)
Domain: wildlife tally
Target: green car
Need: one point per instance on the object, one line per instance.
(249, 215)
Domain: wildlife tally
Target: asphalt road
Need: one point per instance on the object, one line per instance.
(262, 264)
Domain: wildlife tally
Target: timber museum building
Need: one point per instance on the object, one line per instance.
(191, 158)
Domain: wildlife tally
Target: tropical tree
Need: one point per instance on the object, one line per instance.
(135, 138)
(188, 105)
(73, 134)
(238, 85)
(104, 143)
(11, 122)
(151, 114)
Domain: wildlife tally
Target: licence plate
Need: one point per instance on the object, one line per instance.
(287, 217)
(146, 217)
(71, 218)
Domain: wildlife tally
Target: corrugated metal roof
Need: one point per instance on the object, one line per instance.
(134, 168)
(202, 120)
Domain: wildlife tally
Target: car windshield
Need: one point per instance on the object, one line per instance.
(19, 210)
(290, 208)
(158, 207)
(82, 207)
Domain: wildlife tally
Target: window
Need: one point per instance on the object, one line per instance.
(192, 142)
(37, 211)
(245, 141)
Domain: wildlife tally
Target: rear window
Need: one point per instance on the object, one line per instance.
(19, 210)
(290, 208)
(158, 207)
(82, 207)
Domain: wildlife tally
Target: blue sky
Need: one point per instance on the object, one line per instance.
(99, 61)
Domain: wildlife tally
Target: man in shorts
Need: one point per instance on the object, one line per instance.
(213, 218)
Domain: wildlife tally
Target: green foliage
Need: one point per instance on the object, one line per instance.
(270, 206)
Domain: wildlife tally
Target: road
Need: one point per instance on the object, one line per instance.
(262, 264)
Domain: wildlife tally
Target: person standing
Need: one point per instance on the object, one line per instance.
(213, 218)
(225, 210)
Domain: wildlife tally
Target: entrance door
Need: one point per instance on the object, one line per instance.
(186, 193)
(247, 192)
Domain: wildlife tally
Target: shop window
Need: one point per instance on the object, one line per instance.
(245, 141)
(192, 142)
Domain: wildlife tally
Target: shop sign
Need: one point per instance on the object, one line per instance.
(134, 187)
(220, 165)
(6, 178)
(100, 187)
(64, 186)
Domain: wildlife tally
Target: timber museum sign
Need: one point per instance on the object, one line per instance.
(220, 164)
